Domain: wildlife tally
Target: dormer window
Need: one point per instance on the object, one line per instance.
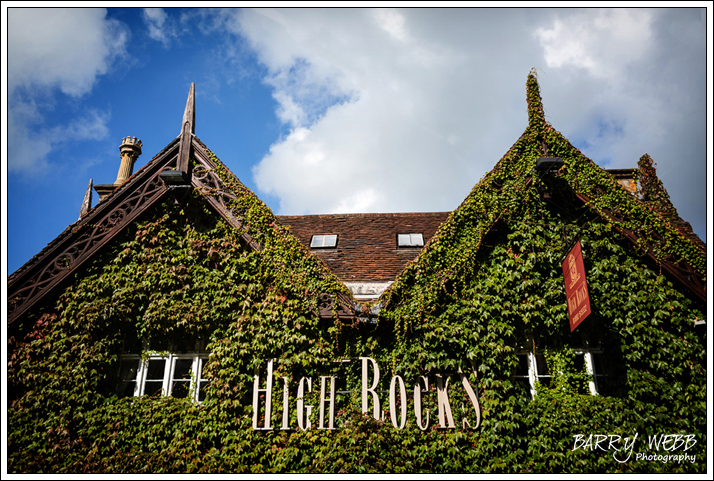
(410, 240)
(323, 241)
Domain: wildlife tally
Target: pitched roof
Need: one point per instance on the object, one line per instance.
(366, 249)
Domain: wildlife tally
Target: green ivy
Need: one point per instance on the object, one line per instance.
(487, 286)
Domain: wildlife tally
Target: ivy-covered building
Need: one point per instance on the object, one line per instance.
(180, 326)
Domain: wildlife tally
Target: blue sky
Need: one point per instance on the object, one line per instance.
(340, 110)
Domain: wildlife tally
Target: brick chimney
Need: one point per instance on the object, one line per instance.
(130, 150)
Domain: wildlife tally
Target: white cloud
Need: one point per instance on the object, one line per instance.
(64, 48)
(392, 22)
(29, 146)
(391, 114)
(604, 42)
(26, 150)
(289, 111)
(159, 26)
(405, 110)
(563, 46)
(49, 49)
(362, 201)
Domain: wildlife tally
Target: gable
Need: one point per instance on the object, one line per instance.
(514, 182)
(83, 239)
(199, 170)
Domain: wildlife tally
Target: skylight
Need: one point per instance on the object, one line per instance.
(321, 241)
(410, 240)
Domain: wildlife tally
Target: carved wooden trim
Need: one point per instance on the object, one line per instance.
(73, 248)
(343, 310)
(70, 251)
(214, 190)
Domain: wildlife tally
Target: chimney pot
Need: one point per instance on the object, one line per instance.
(130, 150)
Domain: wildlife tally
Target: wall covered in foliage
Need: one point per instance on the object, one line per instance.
(487, 287)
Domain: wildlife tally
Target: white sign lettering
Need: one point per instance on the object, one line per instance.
(328, 400)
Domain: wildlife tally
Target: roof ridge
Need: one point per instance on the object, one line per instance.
(365, 214)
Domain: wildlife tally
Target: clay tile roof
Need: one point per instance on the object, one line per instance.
(366, 248)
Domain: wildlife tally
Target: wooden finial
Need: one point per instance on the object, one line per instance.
(188, 129)
(189, 115)
(87, 203)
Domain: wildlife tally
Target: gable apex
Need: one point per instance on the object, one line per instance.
(534, 102)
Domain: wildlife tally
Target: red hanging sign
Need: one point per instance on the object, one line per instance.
(576, 289)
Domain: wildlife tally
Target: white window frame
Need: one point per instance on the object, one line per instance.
(590, 367)
(198, 362)
(587, 354)
(323, 241)
(415, 240)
